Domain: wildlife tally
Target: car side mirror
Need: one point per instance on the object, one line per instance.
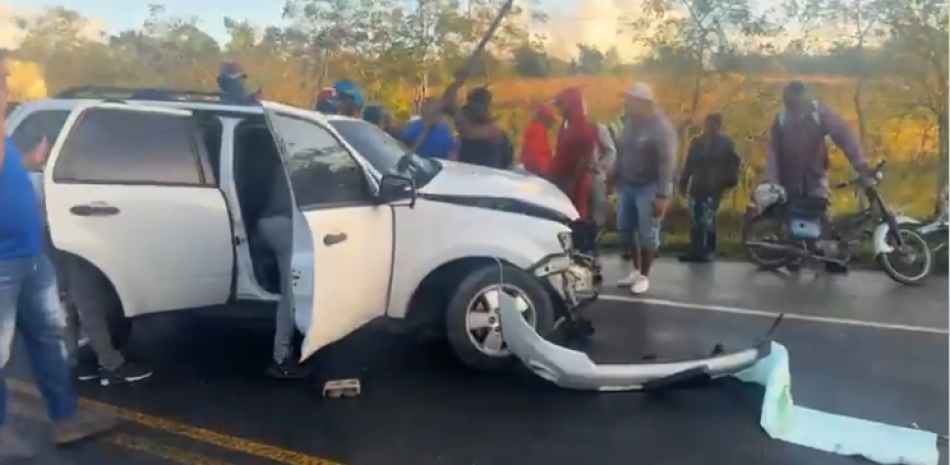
(397, 190)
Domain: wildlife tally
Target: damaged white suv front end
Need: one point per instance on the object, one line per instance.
(474, 225)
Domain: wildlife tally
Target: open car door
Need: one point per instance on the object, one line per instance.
(341, 242)
(302, 271)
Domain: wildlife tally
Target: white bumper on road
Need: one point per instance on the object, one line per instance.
(575, 370)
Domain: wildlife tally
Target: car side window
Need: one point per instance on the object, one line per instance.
(115, 146)
(322, 171)
(36, 126)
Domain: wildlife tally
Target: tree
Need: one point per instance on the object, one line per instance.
(589, 60)
(919, 42)
(685, 36)
(530, 62)
(859, 22)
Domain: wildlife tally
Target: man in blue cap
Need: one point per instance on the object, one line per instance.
(349, 98)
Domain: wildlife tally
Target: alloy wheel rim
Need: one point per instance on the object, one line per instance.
(483, 321)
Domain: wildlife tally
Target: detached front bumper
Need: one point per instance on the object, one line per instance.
(575, 370)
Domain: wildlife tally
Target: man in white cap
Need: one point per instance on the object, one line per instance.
(643, 173)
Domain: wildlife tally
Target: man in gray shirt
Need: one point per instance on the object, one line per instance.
(643, 172)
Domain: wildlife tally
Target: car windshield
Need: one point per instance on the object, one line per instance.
(386, 154)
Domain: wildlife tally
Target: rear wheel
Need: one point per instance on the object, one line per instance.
(768, 229)
(910, 263)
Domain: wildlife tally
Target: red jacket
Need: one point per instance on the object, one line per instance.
(576, 141)
(535, 148)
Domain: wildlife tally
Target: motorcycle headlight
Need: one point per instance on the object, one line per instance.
(566, 239)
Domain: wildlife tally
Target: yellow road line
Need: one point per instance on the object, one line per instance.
(245, 446)
(172, 454)
(137, 444)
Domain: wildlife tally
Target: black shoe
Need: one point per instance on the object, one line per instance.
(288, 369)
(124, 374)
(87, 365)
(836, 268)
(86, 370)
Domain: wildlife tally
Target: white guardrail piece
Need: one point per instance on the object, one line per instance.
(781, 418)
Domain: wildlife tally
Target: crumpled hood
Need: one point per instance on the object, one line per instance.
(465, 180)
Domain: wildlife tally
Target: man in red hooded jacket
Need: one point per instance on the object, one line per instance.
(535, 148)
(571, 168)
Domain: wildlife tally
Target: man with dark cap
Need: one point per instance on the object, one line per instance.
(326, 101)
(797, 156)
(481, 140)
(232, 81)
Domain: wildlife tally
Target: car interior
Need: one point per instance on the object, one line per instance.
(256, 168)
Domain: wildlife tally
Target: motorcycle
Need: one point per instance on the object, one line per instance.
(795, 232)
(937, 232)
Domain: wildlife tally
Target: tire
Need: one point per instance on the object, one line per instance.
(753, 254)
(884, 260)
(465, 340)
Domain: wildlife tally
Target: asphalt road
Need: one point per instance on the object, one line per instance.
(860, 345)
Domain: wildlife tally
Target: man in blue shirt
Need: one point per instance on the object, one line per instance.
(29, 301)
(439, 142)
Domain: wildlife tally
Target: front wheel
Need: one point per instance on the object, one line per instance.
(909, 264)
(473, 325)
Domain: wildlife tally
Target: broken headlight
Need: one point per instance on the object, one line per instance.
(566, 239)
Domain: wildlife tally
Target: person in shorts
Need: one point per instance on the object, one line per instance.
(646, 156)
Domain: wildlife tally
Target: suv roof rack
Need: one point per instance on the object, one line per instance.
(136, 93)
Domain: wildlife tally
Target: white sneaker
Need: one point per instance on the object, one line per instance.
(640, 285)
(630, 278)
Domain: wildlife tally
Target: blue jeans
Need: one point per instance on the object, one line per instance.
(702, 231)
(29, 302)
(635, 215)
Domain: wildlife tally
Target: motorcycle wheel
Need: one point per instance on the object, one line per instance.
(764, 228)
(915, 250)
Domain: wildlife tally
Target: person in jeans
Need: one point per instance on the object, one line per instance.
(711, 168)
(646, 155)
(29, 302)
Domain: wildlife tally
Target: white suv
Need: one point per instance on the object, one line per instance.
(160, 193)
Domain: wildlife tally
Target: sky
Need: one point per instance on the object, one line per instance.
(592, 22)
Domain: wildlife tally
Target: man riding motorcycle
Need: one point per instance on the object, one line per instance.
(797, 156)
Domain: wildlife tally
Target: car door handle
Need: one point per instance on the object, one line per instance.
(94, 209)
(333, 239)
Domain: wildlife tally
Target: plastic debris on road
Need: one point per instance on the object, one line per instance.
(838, 434)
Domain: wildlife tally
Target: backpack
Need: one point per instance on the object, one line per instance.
(815, 115)
(780, 120)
